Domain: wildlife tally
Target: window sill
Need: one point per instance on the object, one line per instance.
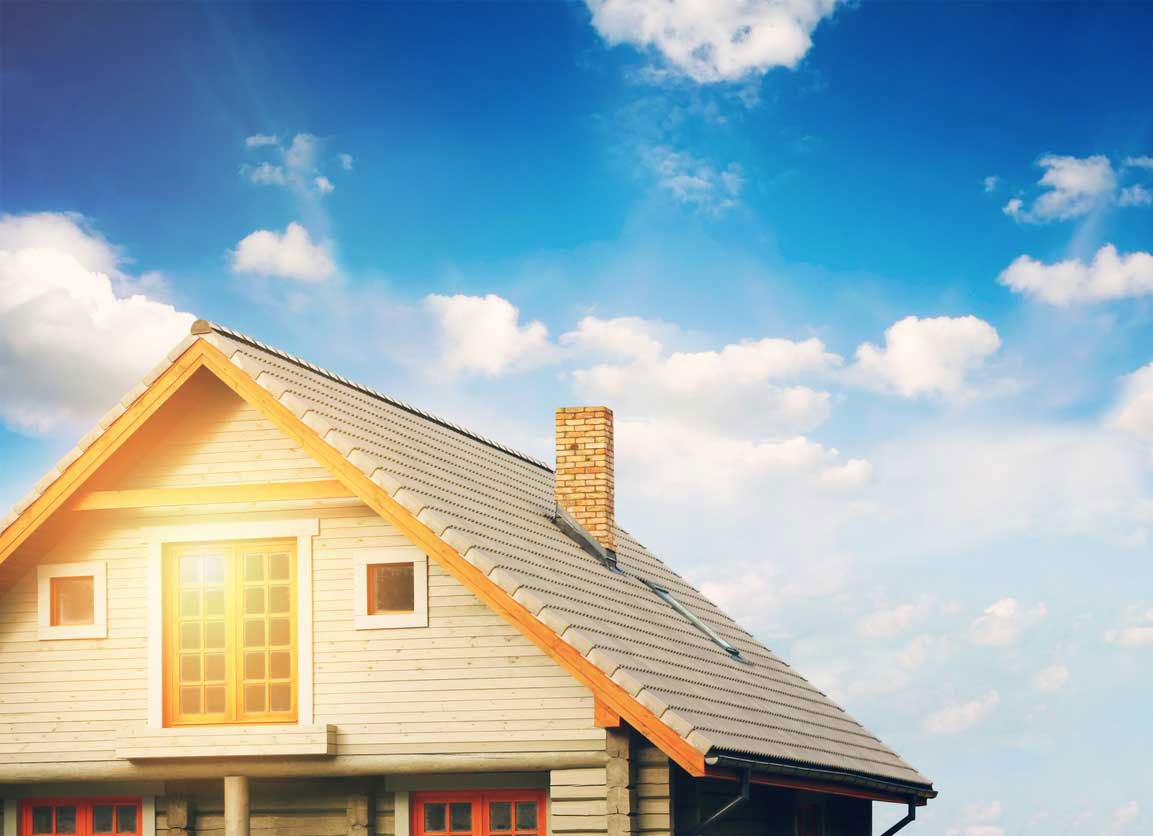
(143, 743)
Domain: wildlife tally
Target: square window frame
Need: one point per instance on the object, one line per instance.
(362, 619)
(98, 629)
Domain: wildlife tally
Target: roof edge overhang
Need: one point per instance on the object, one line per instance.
(818, 779)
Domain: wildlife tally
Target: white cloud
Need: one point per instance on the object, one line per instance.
(323, 184)
(984, 813)
(345, 161)
(721, 40)
(1072, 186)
(1139, 162)
(1004, 621)
(288, 255)
(933, 356)
(1133, 412)
(484, 334)
(625, 337)
(1136, 629)
(1107, 277)
(1125, 815)
(893, 621)
(718, 464)
(265, 174)
(918, 651)
(261, 140)
(693, 181)
(738, 387)
(1135, 195)
(990, 183)
(59, 312)
(954, 719)
(1052, 678)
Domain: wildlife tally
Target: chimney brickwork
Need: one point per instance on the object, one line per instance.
(584, 469)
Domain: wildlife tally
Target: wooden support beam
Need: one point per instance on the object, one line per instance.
(604, 716)
(211, 495)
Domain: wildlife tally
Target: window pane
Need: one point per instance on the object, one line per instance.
(41, 819)
(279, 632)
(190, 636)
(254, 698)
(390, 588)
(189, 668)
(434, 818)
(279, 599)
(73, 602)
(214, 569)
(214, 602)
(500, 815)
(254, 633)
(214, 667)
(254, 665)
(190, 700)
(280, 696)
(190, 603)
(254, 567)
(190, 571)
(460, 816)
(66, 819)
(279, 664)
(214, 634)
(214, 699)
(102, 818)
(278, 567)
(126, 818)
(254, 600)
(526, 815)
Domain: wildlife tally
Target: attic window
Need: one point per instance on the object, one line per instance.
(670, 599)
(72, 600)
(390, 588)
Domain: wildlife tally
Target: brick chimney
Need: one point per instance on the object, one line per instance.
(584, 469)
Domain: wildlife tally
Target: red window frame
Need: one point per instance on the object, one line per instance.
(83, 807)
(480, 811)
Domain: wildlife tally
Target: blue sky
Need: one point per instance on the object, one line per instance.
(869, 292)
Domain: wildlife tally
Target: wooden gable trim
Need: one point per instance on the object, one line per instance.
(202, 354)
(210, 495)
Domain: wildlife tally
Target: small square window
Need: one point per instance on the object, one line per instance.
(73, 601)
(390, 588)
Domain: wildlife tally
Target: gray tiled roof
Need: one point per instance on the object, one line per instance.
(494, 506)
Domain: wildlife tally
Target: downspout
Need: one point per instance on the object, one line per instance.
(732, 804)
(909, 818)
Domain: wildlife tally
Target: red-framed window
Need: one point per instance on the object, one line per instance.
(80, 817)
(495, 813)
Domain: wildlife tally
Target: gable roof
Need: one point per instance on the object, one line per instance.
(486, 512)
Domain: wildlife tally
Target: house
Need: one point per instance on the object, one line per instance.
(260, 598)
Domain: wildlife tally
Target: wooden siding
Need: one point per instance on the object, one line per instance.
(467, 683)
(653, 782)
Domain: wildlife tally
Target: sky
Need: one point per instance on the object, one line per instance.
(869, 287)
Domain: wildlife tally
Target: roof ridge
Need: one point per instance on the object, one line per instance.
(202, 326)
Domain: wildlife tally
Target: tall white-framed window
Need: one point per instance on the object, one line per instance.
(390, 588)
(72, 600)
(303, 530)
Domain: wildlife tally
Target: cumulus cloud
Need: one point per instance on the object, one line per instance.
(60, 311)
(990, 183)
(723, 40)
(1004, 621)
(1139, 162)
(1072, 187)
(1136, 629)
(1135, 195)
(1125, 815)
(484, 334)
(287, 255)
(722, 465)
(892, 621)
(1109, 276)
(694, 182)
(960, 717)
(624, 337)
(296, 165)
(933, 356)
(1133, 412)
(742, 386)
(1052, 678)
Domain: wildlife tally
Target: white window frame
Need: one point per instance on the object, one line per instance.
(98, 571)
(302, 529)
(392, 554)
